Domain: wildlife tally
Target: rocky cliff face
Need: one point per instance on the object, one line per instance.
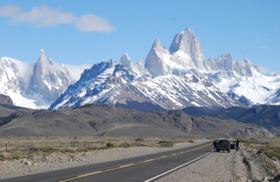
(6, 100)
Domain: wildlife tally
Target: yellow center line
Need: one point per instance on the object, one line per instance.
(149, 160)
(127, 165)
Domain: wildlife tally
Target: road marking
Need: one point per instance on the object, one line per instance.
(82, 176)
(89, 174)
(149, 160)
(127, 165)
(178, 167)
(134, 164)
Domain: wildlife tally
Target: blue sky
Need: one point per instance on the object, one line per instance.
(245, 28)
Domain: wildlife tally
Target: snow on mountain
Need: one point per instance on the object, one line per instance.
(274, 99)
(137, 70)
(14, 77)
(242, 78)
(49, 79)
(35, 85)
(167, 91)
(223, 63)
(158, 59)
(126, 62)
(102, 79)
(173, 79)
(176, 92)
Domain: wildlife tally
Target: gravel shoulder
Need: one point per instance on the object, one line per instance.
(244, 165)
(55, 161)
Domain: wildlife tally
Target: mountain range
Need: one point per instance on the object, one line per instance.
(172, 78)
(104, 120)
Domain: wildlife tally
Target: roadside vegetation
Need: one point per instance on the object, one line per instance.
(165, 143)
(29, 147)
(269, 147)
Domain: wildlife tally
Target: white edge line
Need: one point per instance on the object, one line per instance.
(174, 169)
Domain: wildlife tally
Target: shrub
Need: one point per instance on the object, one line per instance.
(139, 140)
(165, 143)
(109, 145)
(2, 157)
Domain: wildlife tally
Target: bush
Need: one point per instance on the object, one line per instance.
(14, 157)
(109, 145)
(165, 143)
(139, 140)
(2, 157)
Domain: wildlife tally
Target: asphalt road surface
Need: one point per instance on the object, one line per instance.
(143, 169)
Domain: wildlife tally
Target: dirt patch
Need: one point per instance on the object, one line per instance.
(244, 165)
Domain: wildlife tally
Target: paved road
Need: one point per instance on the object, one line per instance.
(144, 168)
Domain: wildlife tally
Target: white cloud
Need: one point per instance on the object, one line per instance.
(9, 10)
(93, 23)
(44, 16)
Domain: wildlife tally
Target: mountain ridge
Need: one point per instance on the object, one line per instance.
(180, 76)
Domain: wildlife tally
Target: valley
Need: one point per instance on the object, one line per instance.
(97, 121)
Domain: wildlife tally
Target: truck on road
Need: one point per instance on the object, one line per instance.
(222, 144)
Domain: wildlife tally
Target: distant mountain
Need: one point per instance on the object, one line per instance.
(103, 120)
(267, 116)
(36, 85)
(173, 78)
(107, 83)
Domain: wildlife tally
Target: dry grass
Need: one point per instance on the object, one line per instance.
(165, 143)
(28, 147)
(270, 147)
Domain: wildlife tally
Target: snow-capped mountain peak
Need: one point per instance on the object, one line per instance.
(137, 69)
(184, 53)
(157, 60)
(101, 81)
(43, 56)
(36, 85)
(187, 42)
(156, 44)
(126, 61)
